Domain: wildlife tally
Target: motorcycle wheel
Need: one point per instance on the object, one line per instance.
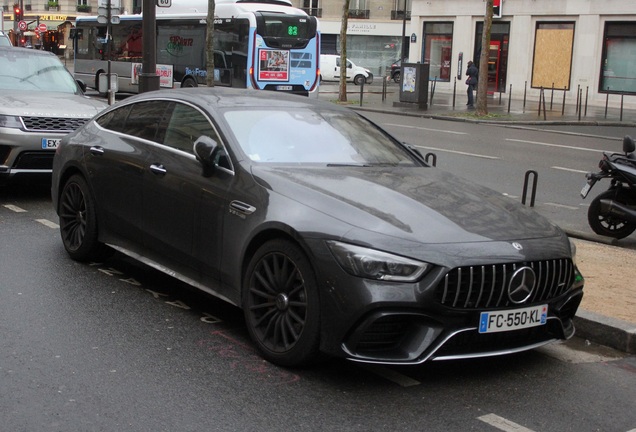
(606, 224)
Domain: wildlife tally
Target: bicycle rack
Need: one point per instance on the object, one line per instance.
(525, 187)
(433, 157)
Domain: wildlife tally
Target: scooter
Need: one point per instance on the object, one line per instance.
(613, 212)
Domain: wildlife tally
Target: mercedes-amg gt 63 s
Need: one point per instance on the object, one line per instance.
(331, 235)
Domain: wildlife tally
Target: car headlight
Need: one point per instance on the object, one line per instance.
(373, 264)
(10, 122)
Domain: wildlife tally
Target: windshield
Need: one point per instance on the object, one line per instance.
(319, 137)
(27, 70)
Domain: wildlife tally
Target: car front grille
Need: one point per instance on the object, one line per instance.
(486, 286)
(53, 124)
(384, 334)
(40, 160)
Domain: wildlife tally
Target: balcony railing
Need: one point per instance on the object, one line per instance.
(359, 13)
(399, 15)
(317, 12)
(51, 6)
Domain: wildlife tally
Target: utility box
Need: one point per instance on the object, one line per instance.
(414, 86)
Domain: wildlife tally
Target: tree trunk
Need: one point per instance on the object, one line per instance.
(482, 87)
(342, 89)
(209, 46)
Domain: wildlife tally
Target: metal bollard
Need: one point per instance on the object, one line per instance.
(565, 89)
(509, 98)
(362, 91)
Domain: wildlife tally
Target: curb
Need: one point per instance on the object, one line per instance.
(611, 332)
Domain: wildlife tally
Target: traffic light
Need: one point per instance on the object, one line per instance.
(17, 13)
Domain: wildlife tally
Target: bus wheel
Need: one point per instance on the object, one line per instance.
(189, 82)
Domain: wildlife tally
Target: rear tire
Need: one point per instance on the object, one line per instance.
(189, 82)
(609, 225)
(281, 304)
(78, 221)
(397, 77)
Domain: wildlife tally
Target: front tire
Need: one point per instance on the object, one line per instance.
(281, 304)
(606, 224)
(358, 80)
(78, 221)
(396, 77)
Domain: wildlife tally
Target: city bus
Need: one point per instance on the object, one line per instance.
(268, 46)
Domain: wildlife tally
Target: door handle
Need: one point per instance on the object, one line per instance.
(97, 150)
(158, 169)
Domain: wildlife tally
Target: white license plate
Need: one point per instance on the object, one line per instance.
(284, 88)
(50, 143)
(586, 189)
(513, 319)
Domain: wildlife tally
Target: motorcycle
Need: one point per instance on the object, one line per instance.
(613, 212)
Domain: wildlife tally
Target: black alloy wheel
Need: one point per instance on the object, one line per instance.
(396, 77)
(281, 304)
(607, 224)
(78, 222)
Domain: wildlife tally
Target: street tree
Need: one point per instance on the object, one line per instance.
(481, 108)
(342, 89)
(209, 45)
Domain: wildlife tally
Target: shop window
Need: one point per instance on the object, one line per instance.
(438, 48)
(618, 65)
(552, 64)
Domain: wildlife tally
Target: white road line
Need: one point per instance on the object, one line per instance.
(391, 375)
(459, 152)
(426, 129)
(14, 208)
(555, 145)
(48, 223)
(569, 169)
(562, 206)
(503, 424)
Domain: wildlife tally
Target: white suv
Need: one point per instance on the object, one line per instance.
(4, 40)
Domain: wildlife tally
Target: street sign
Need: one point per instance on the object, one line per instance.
(42, 27)
(22, 25)
(164, 3)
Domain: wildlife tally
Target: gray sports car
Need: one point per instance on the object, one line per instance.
(330, 234)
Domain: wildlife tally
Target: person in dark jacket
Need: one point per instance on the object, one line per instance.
(472, 72)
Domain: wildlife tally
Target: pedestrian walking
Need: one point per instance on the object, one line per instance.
(472, 72)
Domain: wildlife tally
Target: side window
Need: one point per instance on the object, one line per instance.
(185, 126)
(115, 119)
(144, 119)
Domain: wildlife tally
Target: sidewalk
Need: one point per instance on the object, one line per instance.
(607, 315)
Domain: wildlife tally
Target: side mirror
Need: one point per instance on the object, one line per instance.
(206, 149)
(628, 145)
(81, 84)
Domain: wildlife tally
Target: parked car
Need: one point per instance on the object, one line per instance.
(4, 40)
(329, 233)
(40, 102)
(330, 70)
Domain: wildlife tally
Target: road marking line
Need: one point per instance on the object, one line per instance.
(503, 424)
(391, 375)
(555, 145)
(426, 129)
(570, 169)
(562, 206)
(14, 208)
(459, 152)
(48, 223)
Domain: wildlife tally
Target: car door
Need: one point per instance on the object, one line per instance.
(114, 162)
(181, 206)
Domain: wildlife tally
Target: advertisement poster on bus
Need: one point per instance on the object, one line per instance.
(273, 65)
(165, 72)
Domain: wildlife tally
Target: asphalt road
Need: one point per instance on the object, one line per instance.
(117, 346)
(500, 157)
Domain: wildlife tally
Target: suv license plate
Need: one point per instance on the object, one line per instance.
(513, 319)
(50, 143)
(284, 87)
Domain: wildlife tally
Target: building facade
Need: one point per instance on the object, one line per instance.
(573, 45)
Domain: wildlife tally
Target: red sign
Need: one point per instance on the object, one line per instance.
(496, 7)
(22, 25)
(42, 27)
